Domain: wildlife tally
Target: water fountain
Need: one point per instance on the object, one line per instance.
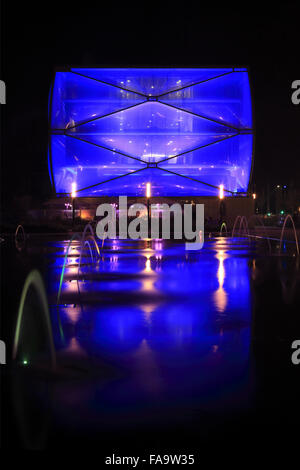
(289, 217)
(89, 228)
(237, 219)
(87, 244)
(243, 224)
(221, 229)
(264, 231)
(74, 237)
(20, 243)
(84, 240)
(18, 229)
(33, 281)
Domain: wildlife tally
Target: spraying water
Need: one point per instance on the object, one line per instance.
(34, 280)
(221, 229)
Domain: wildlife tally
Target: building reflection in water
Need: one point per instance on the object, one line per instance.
(171, 327)
(177, 321)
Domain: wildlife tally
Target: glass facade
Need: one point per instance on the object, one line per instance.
(185, 131)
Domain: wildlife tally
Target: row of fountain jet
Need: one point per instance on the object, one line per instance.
(89, 254)
(241, 229)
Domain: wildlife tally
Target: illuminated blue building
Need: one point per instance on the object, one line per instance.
(184, 131)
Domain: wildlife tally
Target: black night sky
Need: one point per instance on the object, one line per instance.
(41, 36)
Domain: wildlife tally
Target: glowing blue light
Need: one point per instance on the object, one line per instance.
(185, 131)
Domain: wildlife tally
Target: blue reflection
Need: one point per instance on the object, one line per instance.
(177, 322)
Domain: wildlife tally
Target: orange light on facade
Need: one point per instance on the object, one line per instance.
(254, 196)
(74, 190)
(221, 191)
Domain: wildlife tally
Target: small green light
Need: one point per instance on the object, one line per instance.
(268, 214)
(25, 362)
(281, 212)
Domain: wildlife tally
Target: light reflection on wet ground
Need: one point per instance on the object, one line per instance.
(175, 325)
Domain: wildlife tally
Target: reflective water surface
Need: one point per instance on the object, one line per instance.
(153, 339)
